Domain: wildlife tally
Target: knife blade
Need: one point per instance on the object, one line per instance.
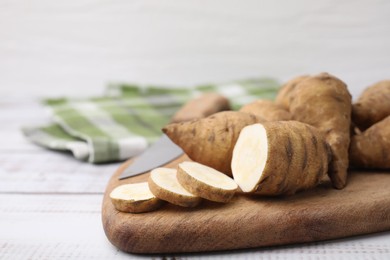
(164, 150)
(159, 153)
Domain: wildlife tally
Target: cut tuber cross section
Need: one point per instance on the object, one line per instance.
(277, 158)
(134, 198)
(206, 182)
(164, 185)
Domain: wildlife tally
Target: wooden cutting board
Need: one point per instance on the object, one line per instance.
(252, 221)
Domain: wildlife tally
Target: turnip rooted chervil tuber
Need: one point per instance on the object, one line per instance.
(373, 105)
(371, 149)
(324, 102)
(275, 158)
(285, 96)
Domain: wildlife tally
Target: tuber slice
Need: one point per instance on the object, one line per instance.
(206, 182)
(164, 185)
(370, 149)
(134, 198)
(268, 110)
(372, 106)
(277, 158)
(210, 140)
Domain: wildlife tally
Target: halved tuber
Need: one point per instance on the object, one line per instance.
(268, 110)
(134, 198)
(164, 185)
(372, 106)
(206, 182)
(371, 149)
(277, 158)
(210, 140)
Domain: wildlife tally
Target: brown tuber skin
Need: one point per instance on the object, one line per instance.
(297, 158)
(324, 102)
(268, 110)
(306, 160)
(137, 206)
(285, 93)
(370, 149)
(372, 106)
(210, 141)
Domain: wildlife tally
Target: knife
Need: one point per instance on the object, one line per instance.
(164, 150)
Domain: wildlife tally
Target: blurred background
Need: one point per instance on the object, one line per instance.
(76, 47)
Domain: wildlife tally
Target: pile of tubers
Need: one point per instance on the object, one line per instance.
(310, 134)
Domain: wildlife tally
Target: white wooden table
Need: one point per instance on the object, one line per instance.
(50, 205)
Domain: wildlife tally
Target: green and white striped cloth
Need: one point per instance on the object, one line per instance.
(124, 121)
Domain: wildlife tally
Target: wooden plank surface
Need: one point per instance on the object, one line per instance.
(50, 206)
